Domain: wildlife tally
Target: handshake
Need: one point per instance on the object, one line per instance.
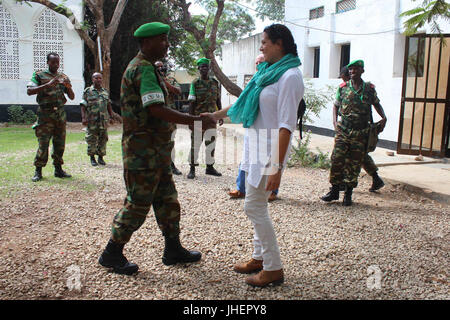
(209, 120)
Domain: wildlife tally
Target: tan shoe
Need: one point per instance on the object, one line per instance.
(273, 197)
(236, 194)
(249, 267)
(265, 278)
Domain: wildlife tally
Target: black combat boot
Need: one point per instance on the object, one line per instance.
(332, 195)
(175, 170)
(37, 174)
(112, 257)
(101, 161)
(60, 173)
(347, 197)
(210, 170)
(93, 161)
(191, 174)
(175, 253)
(377, 183)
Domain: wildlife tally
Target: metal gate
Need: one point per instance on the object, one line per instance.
(425, 105)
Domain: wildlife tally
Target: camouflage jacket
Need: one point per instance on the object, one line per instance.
(172, 97)
(146, 140)
(205, 93)
(51, 100)
(354, 107)
(96, 104)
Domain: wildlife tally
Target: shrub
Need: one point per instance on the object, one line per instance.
(302, 156)
(18, 116)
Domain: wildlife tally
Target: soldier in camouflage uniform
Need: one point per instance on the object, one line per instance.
(50, 87)
(204, 96)
(353, 100)
(95, 112)
(148, 126)
(174, 89)
(367, 164)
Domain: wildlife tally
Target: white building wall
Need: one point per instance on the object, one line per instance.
(25, 16)
(383, 53)
(238, 60)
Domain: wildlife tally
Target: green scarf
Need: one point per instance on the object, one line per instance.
(245, 109)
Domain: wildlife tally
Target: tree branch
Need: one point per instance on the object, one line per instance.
(115, 20)
(69, 15)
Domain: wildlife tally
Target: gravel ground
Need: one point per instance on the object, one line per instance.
(48, 233)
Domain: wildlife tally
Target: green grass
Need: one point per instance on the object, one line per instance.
(17, 151)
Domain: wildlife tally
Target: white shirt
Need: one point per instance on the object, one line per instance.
(278, 104)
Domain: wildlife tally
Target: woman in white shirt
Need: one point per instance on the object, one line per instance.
(268, 108)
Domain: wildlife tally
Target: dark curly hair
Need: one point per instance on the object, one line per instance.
(278, 31)
(52, 54)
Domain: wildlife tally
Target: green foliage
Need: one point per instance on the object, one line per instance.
(302, 156)
(18, 116)
(428, 12)
(269, 9)
(235, 23)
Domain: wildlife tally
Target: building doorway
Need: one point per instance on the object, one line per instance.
(425, 106)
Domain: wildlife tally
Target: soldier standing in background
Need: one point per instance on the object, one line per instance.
(148, 125)
(204, 97)
(353, 100)
(50, 86)
(95, 112)
(174, 89)
(368, 164)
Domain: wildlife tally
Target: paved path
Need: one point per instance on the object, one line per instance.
(430, 177)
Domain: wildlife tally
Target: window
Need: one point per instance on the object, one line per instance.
(316, 13)
(416, 57)
(9, 46)
(316, 62)
(247, 79)
(345, 55)
(47, 37)
(345, 5)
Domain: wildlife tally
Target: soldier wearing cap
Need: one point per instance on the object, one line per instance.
(50, 86)
(368, 164)
(148, 126)
(204, 97)
(354, 99)
(174, 89)
(95, 112)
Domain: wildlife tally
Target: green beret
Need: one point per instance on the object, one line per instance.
(151, 29)
(356, 63)
(203, 61)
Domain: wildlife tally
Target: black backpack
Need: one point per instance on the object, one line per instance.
(300, 112)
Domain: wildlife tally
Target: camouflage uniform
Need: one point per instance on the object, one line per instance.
(96, 104)
(146, 149)
(51, 118)
(351, 132)
(172, 97)
(205, 93)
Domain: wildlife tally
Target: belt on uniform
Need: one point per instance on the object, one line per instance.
(353, 126)
(50, 108)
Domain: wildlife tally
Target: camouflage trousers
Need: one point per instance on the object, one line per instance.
(46, 130)
(146, 188)
(96, 139)
(348, 154)
(210, 145)
(369, 165)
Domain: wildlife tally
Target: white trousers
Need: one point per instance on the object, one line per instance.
(264, 240)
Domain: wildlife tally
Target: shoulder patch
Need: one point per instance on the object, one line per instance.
(343, 84)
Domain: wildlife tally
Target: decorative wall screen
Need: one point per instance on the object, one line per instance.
(345, 5)
(47, 37)
(9, 46)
